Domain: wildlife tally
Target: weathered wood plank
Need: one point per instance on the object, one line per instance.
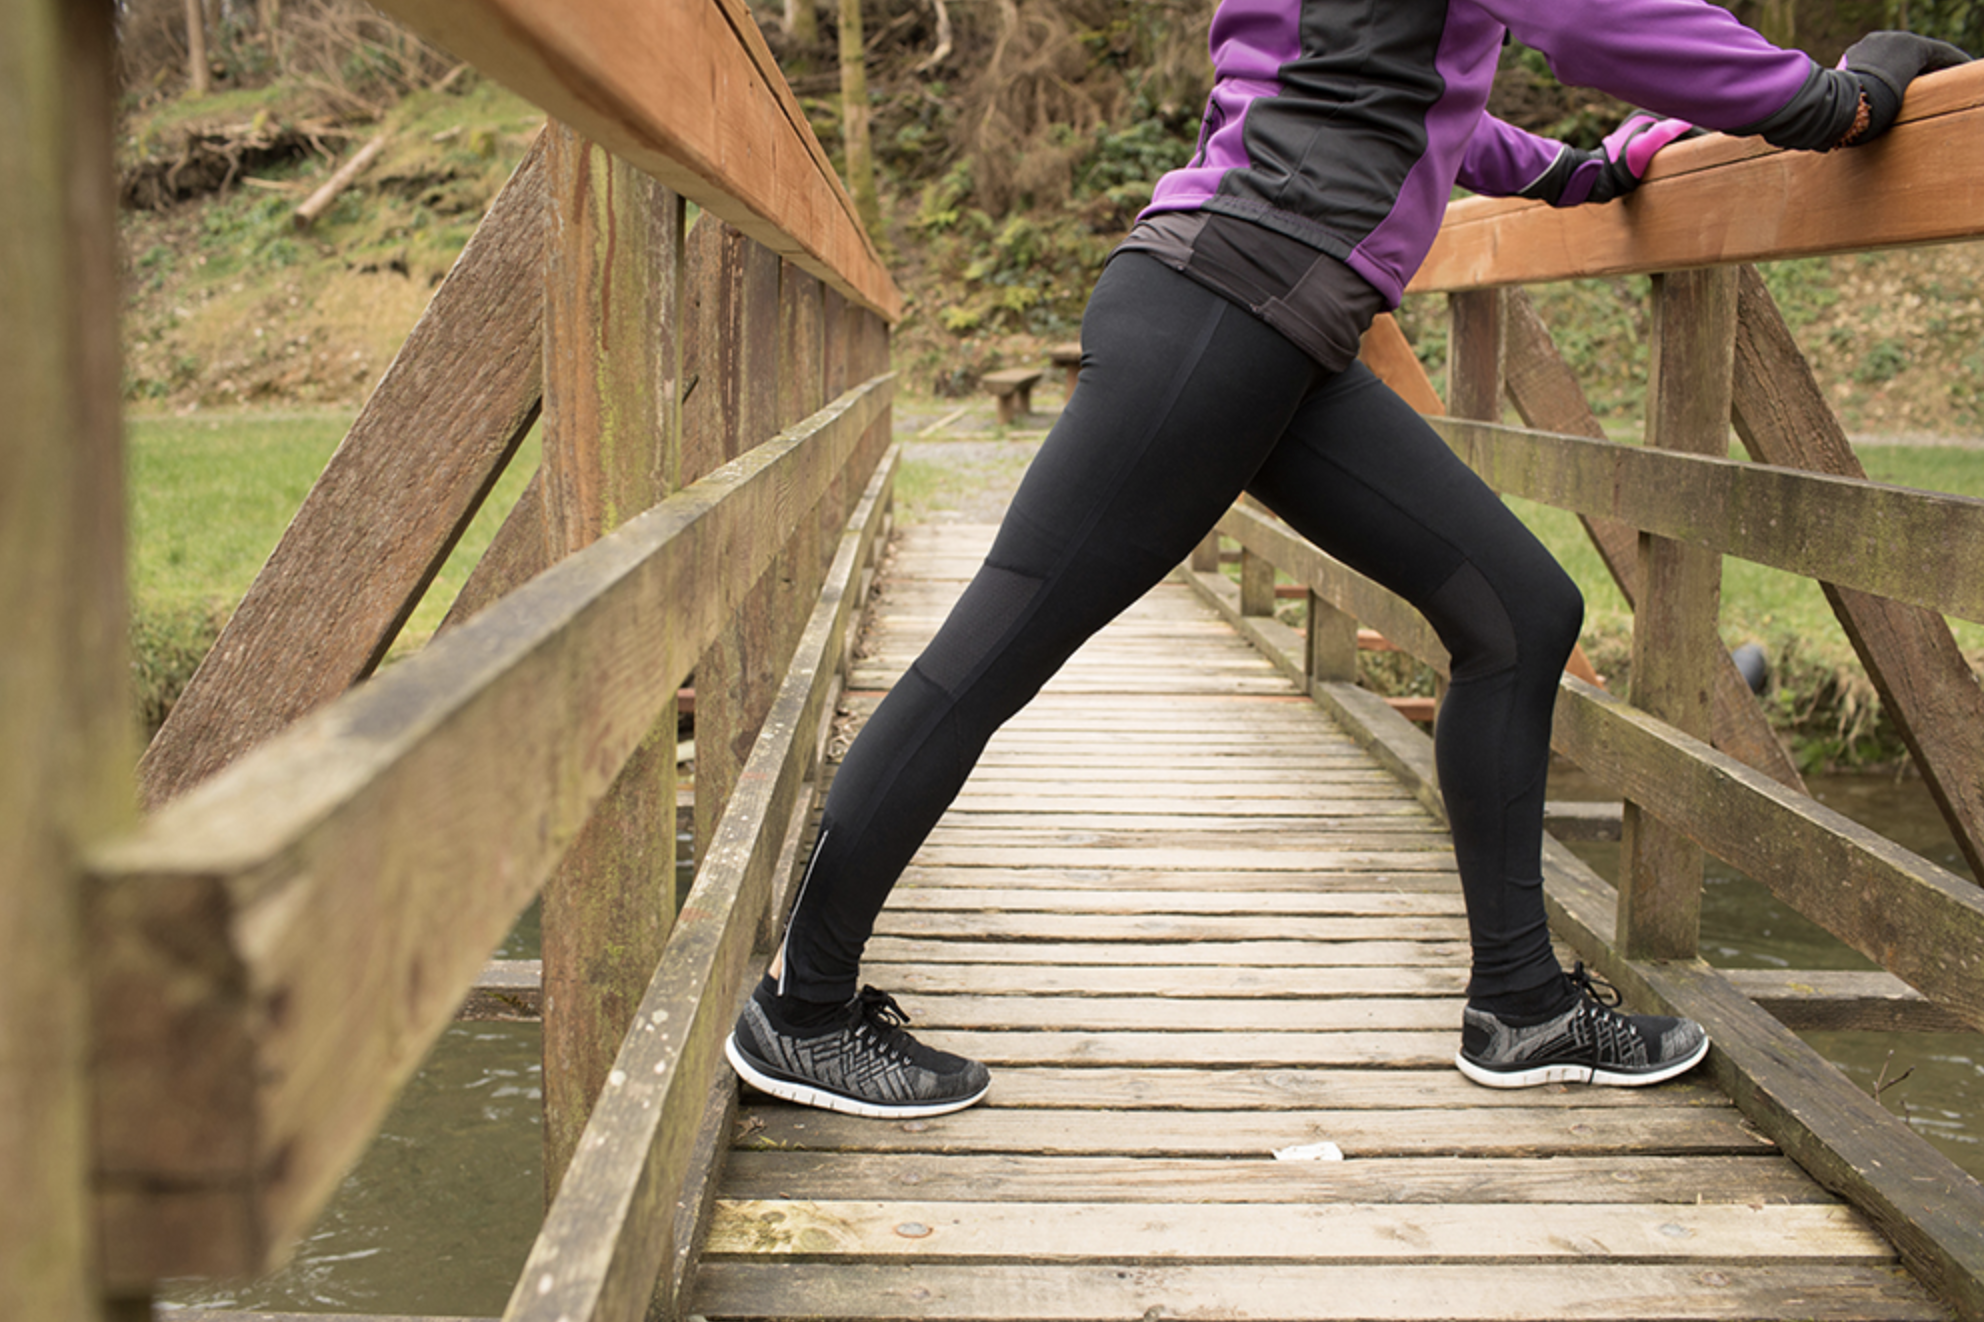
(64, 716)
(612, 436)
(1287, 1233)
(1756, 1178)
(732, 338)
(1368, 853)
(1549, 399)
(1153, 979)
(1499, 1131)
(1428, 875)
(1190, 1088)
(740, 147)
(1156, 930)
(1722, 200)
(1933, 1212)
(1677, 646)
(1240, 954)
(1826, 1000)
(1523, 1292)
(320, 908)
(1918, 921)
(1925, 684)
(1390, 1048)
(380, 521)
(1108, 1014)
(613, 1229)
(958, 894)
(1892, 541)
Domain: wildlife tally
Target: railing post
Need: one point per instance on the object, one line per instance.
(732, 349)
(1205, 556)
(612, 371)
(63, 714)
(1474, 354)
(1332, 643)
(1256, 584)
(1476, 346)
(1675, 641)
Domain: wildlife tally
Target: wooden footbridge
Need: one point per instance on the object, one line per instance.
(1196, 907)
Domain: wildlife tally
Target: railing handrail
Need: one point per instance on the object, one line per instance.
(687, 92)
(276, 948)
(1721, 200)
(1661, 513)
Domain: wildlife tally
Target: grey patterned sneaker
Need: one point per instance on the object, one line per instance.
(864, 1065)
(1589, 1043)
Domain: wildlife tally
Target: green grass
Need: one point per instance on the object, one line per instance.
(210, 498)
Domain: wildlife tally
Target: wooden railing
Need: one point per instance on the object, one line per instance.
(1697, 766)
(238, 985)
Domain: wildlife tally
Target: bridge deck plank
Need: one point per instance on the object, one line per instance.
(1166, 1005)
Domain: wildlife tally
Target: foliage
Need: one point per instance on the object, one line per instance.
(1960, 22)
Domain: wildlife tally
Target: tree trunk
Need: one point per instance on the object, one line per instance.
(854, 121)
(802, 22)
(197, 80)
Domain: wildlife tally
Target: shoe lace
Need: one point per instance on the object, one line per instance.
(1597, 988)
(874, 1014)
(1613, 1038)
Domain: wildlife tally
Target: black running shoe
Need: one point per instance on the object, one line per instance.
(864, 1065)
(1589, 1043)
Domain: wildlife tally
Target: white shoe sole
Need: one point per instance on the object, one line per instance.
(808, 1095)
(1543, 1074)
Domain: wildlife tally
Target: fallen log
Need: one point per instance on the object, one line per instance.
(320, 201)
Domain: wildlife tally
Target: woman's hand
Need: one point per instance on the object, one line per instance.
(1885, 63)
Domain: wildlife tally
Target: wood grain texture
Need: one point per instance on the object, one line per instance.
(1871, 536)
(319, 909)
(687, 93)
(1281, 1233)
(64, 701)
(1926, 686)
(1524, 1292)
(1721, 200)
(378, 524)
(612, 443)
(613, 1229)
(1476, 339)
(1677, 646)
(1549, 399)
(1913, 918)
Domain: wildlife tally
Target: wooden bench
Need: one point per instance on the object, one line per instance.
(1068, 357)
(1014, 390)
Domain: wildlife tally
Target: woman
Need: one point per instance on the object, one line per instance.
(1219, 356)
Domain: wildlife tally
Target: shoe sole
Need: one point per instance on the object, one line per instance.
(811, 1095)
(1543, 1074)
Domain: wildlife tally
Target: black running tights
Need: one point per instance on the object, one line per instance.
(1186, 400)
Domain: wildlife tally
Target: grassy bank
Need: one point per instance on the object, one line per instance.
(210, 497)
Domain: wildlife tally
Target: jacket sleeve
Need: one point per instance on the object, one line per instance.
(1505, 161)
(1688, 59)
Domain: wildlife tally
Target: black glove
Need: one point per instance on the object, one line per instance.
(1885, 63)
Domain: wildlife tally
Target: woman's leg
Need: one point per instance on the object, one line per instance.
(1361, 474)
(1182, 395)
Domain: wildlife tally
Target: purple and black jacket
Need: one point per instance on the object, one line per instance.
(1345, 124)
